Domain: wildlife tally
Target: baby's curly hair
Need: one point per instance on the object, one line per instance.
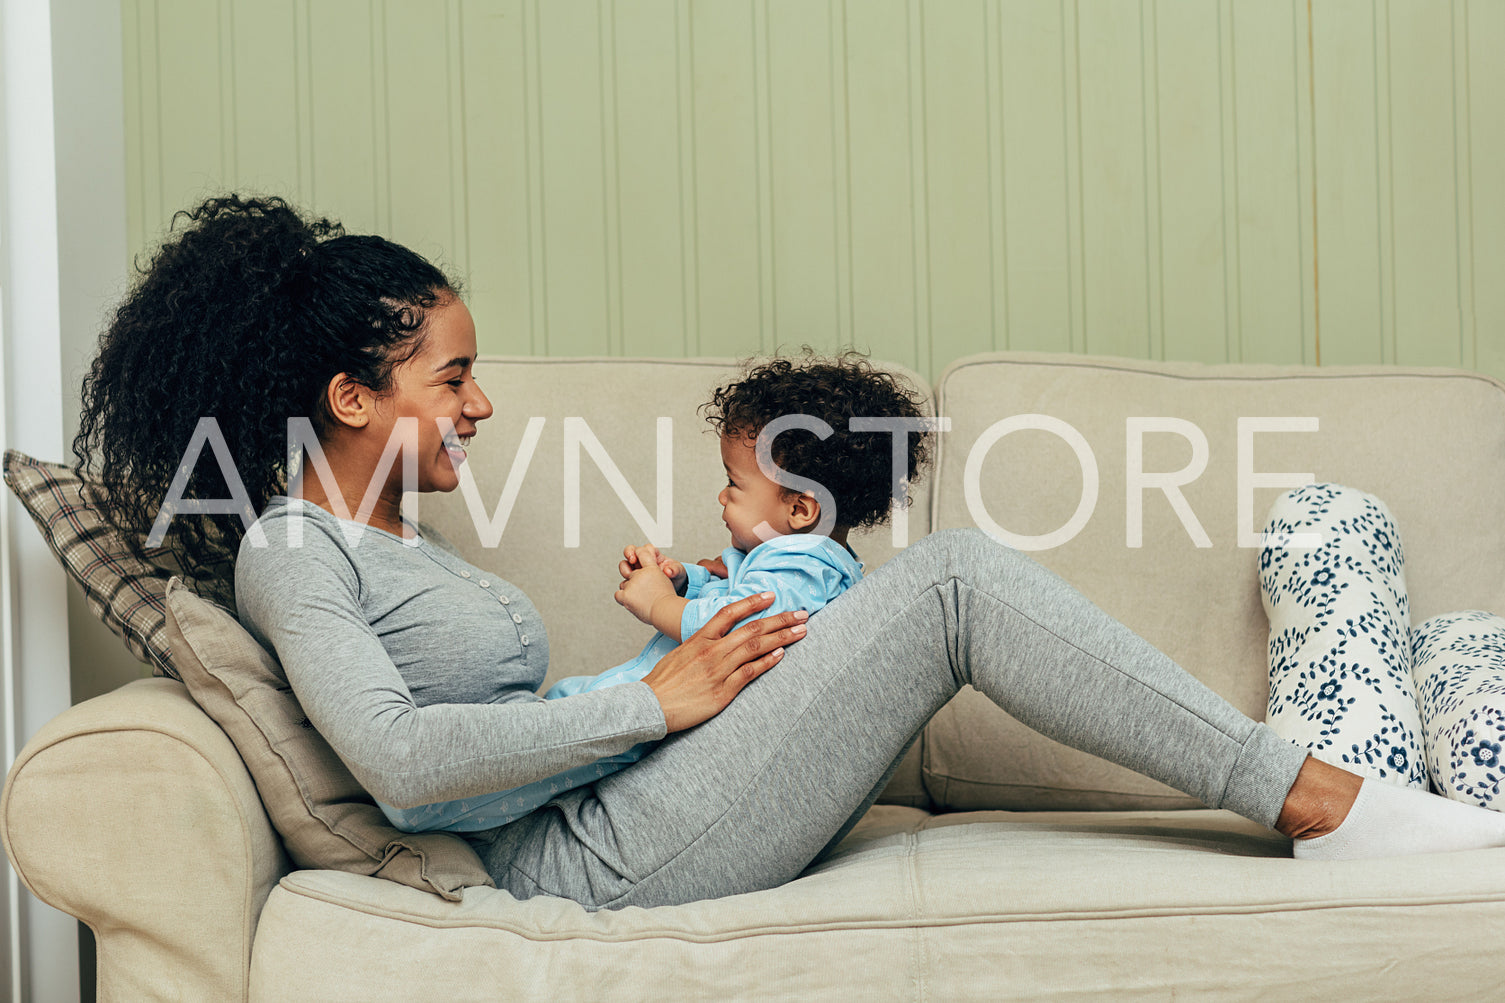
(855, 466)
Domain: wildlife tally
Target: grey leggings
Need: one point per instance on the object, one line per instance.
(747, 800)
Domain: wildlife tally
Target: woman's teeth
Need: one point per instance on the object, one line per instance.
(457, 447)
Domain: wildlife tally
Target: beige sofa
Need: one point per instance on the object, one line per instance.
(1001, 866)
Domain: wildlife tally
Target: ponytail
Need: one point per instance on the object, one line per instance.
(243, 315)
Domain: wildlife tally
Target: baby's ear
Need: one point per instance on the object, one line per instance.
(804, 512)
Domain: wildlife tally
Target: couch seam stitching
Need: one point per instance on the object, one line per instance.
(917, 937)
(985, 919)
(950, 778)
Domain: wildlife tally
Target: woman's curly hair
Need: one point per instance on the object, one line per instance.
(243, 315)
(855, 466)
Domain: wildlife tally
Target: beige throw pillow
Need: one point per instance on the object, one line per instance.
(326, 819)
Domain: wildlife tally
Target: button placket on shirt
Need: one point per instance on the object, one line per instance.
(485, 583)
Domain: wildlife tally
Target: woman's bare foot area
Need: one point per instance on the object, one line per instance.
(1318, 801)
(1335, 815)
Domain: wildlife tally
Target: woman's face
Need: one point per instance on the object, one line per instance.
(436, 387)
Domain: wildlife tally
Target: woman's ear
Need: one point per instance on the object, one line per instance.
(804, 512)
(349, 403)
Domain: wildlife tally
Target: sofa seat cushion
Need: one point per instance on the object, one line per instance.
(912, 906)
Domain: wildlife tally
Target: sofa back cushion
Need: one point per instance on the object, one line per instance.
(1431, 443)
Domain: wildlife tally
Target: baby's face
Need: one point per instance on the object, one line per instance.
(753, 507)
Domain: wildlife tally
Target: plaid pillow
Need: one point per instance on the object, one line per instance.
(123, 591)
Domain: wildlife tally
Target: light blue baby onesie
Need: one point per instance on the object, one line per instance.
(802, 571)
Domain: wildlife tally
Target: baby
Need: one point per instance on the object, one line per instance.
(784, 541)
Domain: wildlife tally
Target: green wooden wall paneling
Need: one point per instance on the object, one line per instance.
(1482, 84)
(885, 222)
(1271, 219)
(1217, 180)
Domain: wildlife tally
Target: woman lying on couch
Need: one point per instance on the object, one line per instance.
(254, 315)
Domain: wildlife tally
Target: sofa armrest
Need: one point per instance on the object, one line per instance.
(134, 813)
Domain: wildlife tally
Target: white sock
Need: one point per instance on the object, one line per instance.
(1391, 821)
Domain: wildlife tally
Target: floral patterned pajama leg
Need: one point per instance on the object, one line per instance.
(1340, 647)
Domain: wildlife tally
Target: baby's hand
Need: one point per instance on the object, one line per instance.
(641, 588)
(714, 565)
(647, 556)
(677, 576)
(633, 558)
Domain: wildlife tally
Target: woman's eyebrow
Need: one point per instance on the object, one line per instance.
(458, 362)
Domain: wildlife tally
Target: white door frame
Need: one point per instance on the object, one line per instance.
(63, 255)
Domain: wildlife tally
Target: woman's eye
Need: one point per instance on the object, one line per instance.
(457, 384)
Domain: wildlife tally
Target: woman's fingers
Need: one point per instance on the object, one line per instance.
(749, 671)
(724, 619)
(698, 679)
(754, 667)
(779, 627)
(753, 643)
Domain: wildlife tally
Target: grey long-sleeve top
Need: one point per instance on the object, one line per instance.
(419, 669)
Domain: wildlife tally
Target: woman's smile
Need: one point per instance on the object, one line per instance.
(457, 446)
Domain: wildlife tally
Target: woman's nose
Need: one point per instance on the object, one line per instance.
(477, 406)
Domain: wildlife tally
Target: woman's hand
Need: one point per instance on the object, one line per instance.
(696, 680)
